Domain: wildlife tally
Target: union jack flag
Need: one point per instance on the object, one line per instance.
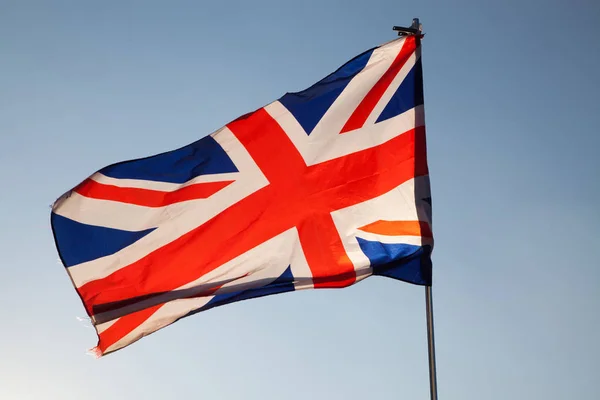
(319, 189)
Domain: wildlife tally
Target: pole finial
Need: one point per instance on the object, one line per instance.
(415, 28)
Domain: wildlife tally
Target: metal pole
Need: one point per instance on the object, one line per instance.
(431, 343)
(416, 29)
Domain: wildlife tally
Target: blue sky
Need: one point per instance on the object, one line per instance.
(511, 97)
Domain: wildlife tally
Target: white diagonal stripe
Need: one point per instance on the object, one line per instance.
(162, 186)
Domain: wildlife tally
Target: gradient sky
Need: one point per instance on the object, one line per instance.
(513, 117)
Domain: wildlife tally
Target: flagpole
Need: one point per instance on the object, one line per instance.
(431, 344)
(415, 29)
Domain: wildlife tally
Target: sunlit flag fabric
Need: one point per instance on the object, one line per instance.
(319, 189)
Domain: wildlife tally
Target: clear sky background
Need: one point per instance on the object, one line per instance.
(513, 117)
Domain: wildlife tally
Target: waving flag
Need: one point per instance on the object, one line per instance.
(319, 189)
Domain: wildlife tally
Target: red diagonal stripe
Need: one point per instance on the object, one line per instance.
(148, 197)
(127, 323)
(364, 109)
(399, 228)
(122, 327)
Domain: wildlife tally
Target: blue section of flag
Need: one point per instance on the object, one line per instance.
(78, 243)
(309, 106)
(202, 157)
(408, 95)
(284, 283)
(405, 262)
